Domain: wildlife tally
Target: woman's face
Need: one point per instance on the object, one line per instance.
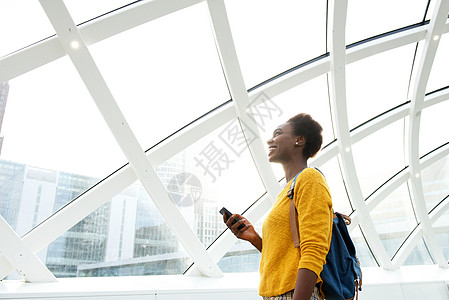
(281, 144)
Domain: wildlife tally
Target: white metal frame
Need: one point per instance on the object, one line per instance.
(141, 166)
(430, 47)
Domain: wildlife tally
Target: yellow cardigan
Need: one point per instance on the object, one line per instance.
(280, 260)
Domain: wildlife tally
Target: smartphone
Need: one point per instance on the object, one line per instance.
(228, 214)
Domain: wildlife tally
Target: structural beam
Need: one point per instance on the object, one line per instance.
(243, 107)
(336, 42)
(425, 62)
(231, 68)
(78, 52)
(20, 257)
(94, 31)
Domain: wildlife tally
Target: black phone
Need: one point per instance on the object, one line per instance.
(228, 214)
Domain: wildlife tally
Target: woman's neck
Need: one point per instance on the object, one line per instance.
(293, 168)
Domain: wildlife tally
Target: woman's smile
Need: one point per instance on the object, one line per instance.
(271, 149)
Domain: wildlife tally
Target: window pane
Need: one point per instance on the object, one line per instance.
(362, 251)
(169, 76)
(51, 122)
(394, 219)
(273, 36)
(29, 195)
(127, 236)
(84, 243)
(340, 202)
(379, 156)
(442, 231)
(379, 82)
(243, 257)
(310, 97)
(419, 255)
(80, 12)
(215, 171)
(433, 120)
(15, 21)
(11, 186)
(363, 17)
(435, 180)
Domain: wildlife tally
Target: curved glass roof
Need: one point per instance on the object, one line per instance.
(126, 126)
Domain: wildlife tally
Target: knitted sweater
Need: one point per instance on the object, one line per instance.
(280, 260)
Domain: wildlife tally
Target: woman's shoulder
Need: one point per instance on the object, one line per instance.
(312, 173)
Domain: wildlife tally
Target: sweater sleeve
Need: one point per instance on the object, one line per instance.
(314, 205)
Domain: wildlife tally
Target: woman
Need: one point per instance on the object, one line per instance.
(285, 271)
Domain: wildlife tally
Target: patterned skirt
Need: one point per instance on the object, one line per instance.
(289, 296)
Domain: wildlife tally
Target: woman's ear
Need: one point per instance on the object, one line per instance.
(300, 140)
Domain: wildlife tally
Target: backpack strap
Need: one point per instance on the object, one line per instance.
(293, 213)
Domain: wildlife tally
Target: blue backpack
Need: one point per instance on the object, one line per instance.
(341, 275)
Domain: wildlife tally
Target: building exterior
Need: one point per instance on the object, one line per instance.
(4, 89)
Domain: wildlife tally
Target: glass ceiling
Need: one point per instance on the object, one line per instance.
(126, 126)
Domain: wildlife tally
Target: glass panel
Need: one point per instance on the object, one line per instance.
(11, 187)
(17, 15)
(273, 36)
(394, 219)
(165, 83)
(80, 12)
(363, 17)
(310, 97)
(379, 156)
(430, 10)
(54, 142)
(51, 122)
(215, 171)
(30, 194)
(125, 237)
(363, 252)
(106, 242)
(84, 243)
(438, 75)
(433, 119)
(379, 82)
(442, 231)
(334, 179)
(435, 180)
(419, 256)
(243, 257)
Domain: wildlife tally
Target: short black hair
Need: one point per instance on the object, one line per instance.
(303, 124)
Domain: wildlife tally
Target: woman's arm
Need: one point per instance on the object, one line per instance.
(247, 233)
(315, 227)
(305, 283)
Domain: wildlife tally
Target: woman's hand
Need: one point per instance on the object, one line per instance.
(247, 232)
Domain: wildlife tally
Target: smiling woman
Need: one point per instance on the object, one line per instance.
(126, 126)
(284, 270)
